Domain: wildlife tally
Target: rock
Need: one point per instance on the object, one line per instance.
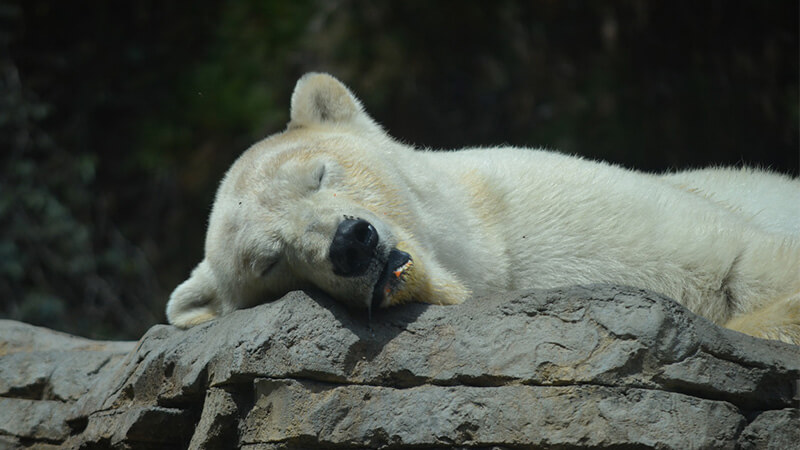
(286, 411)
(578, 367)
(42, 374)
(776, 430)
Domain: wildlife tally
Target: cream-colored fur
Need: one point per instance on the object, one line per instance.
(723, 242)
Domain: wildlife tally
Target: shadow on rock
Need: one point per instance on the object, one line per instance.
(374, 329)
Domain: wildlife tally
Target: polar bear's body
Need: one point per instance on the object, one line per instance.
(334, 203)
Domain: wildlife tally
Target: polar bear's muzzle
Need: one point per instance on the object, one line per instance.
(355, 249)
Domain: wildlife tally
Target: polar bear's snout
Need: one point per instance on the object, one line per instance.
(358, 251)
(354, 247)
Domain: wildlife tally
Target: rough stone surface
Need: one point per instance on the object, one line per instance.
(579, 367)
(42, 374)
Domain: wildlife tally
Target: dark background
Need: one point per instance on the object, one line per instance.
(117, 119)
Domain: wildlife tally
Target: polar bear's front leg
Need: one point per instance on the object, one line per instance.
(195, 301)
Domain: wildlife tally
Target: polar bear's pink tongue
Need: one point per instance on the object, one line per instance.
(392, 276)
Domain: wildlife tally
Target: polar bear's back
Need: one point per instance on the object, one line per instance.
(770, 201)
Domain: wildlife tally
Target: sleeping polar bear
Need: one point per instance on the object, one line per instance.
(336, 204)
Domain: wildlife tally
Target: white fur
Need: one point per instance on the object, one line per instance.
(723, 242)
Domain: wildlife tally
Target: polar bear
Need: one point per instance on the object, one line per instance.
(334, 203)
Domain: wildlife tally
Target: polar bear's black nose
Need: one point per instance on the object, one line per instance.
(353, 247)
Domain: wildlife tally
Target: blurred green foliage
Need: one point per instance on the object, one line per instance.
(118, 120)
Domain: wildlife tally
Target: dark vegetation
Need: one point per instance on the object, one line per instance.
(118, 119)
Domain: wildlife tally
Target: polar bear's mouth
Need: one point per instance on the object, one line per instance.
(392, 277)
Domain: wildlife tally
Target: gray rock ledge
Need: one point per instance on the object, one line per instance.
(578, 367)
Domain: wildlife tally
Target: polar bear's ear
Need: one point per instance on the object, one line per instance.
(195, 300)
(319, 98)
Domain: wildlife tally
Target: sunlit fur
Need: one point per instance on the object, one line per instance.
(723, 242)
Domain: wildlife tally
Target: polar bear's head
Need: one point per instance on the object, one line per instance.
(319, 206)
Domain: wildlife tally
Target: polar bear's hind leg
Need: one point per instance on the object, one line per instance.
(779, 320)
